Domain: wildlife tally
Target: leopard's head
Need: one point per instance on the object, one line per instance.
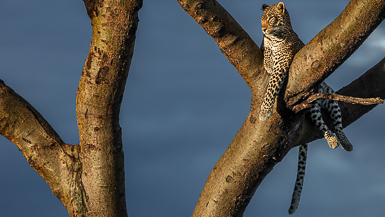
(275, 20)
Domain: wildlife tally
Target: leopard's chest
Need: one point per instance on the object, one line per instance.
(273, 51)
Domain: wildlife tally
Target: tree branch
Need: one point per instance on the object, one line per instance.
(336, 97)
(332, 46)
(232, 40)
(370, 84)
(44, 150)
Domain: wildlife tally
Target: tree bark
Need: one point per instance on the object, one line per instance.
(56, 162)
(88, 178)
(98, 101)
(232, 40)
(259, 146)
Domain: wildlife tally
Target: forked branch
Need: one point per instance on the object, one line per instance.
(89, 177)
(44, 150)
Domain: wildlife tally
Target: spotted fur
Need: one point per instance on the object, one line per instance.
(334, 112)
(279, 46)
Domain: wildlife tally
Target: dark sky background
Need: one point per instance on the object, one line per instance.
(183, 104)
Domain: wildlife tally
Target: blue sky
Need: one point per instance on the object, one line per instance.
(183, 104)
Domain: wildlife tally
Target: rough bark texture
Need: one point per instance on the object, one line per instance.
(98, 100)
(56, 162)
(258, 146)
(89, 177)
(232, 40)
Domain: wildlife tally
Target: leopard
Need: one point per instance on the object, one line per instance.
(279, 45)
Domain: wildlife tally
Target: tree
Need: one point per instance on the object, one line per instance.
(88, 178)
(64, 167)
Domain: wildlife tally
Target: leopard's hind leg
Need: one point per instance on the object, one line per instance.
(334, 112)
(316, 117)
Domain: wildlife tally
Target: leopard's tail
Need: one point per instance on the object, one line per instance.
(300, 177)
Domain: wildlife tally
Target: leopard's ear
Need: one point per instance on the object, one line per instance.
(264, 6)
(281, 7)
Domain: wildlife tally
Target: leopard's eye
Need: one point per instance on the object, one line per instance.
(272, 20)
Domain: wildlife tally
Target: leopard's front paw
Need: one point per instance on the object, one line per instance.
(265, 114)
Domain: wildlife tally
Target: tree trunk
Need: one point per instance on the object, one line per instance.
(98, 101)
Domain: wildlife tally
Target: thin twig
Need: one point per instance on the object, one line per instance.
(336, 97)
